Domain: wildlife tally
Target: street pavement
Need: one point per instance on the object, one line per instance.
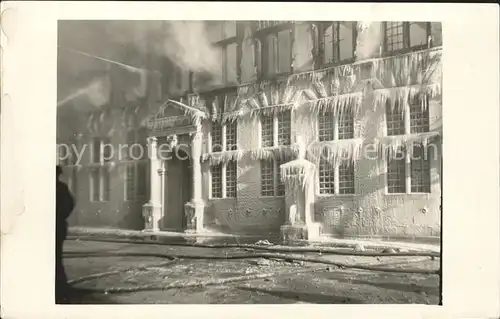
(105, 273)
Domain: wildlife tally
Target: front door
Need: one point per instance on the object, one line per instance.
(177, 191)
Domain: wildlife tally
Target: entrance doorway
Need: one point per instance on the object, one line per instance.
(177, 189)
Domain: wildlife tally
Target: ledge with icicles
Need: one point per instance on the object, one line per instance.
(391, 145)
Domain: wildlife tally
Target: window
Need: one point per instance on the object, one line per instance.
(396, 176)
(417, 174)
(277, 52)
(418, 121)
(216, 172)
(99, 182)
(224, 136)
(337, 41)
(331, 127)
(101, 150)
(136, 178)
(395, 119)
(403, 36)
(276, 130)
(223, 34)
(346, 178)
(269, 24)
(326, 177)
(136, 144)
(73, 180)
(270, 178)
(231, 179)
(420, 170)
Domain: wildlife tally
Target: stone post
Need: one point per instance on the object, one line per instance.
(152, 210)
(194, 209)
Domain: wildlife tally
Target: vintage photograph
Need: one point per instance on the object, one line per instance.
(248, 162)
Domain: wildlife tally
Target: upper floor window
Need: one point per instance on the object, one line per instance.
(335, 127)
(337, 42)
(405, 36)
(276, 51)
(224, 35)
(276, 129)
(269, 24)
(136, 144)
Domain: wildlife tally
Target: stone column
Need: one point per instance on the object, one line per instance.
(194, 210)
(152, 210)
(299, 201)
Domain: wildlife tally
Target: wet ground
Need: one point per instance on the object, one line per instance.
(123, 273)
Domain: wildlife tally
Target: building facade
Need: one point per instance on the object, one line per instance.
(356, 105)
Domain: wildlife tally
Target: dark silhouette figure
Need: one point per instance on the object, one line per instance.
(64, 206)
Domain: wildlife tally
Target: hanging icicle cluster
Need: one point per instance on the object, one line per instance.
(279, 153)
(297, 173)
(403, 95)
(223, 157)
(392, 145)
(335, 151)
(338, 104)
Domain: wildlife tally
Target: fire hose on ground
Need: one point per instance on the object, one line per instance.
(266, 255)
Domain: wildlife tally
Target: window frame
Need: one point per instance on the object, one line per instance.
(408, 172)
(223, 180)
(335, 120)
(322, 26)
(275, 119)
(406, 39)
(336, 178)
(278, 187)
(273, 30)
(135, 180)
(223, 44)
(101, 170)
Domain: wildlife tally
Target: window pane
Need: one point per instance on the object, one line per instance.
(271, 52)
(216, 137)
(105, 184)
(216, 172)
(229, 29)
(284, 51)
(396, 177)
(107, 149)
(95, 185)
(231, 136)
(325, 126)
(328, 56)
(346, 178)
(267, 129)
(142, 174)
(394, 36)
(267, 178)
(420, 171)
(419, 116)
(231, 64)
(74, 181)
(418, 33)
(346, 125)
(214, 30)
(280, 191)
(345, 41)
(395, 119)
(326, 176)
(231, 179)
(130, 182)
(284, 128)
(96, 150)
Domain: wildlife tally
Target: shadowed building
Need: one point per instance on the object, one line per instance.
(308, 127)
